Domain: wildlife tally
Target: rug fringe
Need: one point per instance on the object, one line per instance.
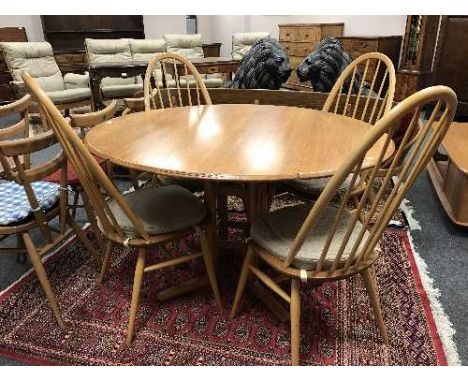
(444, 325)
(408, 210)
(44, 260)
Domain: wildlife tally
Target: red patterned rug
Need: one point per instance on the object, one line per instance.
(338, 326)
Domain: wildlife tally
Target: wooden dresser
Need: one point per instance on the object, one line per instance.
(299, 40)
(12, 34)
(66, 34)
(359, 45)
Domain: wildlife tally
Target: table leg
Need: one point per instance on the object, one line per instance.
(95, 81)
(211, 229)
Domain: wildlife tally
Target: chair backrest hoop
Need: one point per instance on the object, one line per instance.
(158, 81)
(90, 174)
(383, 91)
(383, 204)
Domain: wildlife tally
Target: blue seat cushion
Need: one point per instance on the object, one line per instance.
(14, 204)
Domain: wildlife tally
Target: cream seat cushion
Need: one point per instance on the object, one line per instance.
(314, 187)
(38, 60)
(110, 50)
(70, 95)
(242, 42)
(188, 45)
(161, 210)
(277, 230)
(121, 90)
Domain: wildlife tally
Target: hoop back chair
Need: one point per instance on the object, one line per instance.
(129, 220)
(353, 80)
(28, 202)
(325, 243)
(18, 129)
(156, 85)
(350, 96)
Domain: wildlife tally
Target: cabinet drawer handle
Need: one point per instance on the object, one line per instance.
(363, 44)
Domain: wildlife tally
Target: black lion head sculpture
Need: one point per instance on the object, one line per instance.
(265, 66)
(325, 64)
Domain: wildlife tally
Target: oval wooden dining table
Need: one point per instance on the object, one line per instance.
(253, 144)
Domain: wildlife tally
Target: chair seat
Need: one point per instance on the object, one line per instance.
(14, 204)
(161, 210)
(119, 91)
(191, 184)
(72, 176)
(70, 95)
(314, 187)
(277, 230)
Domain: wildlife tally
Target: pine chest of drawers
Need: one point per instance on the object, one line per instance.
(299, 40)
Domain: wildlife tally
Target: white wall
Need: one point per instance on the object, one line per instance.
(32, 24)
(155, 26)
(221, 28)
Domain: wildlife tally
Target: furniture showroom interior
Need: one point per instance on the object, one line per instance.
(233, 190)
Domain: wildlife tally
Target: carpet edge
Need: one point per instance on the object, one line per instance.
(9, 288)
(442, 321)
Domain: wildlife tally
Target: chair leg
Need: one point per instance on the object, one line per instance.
(295, 310)
(139, 270)
(81, 235)
(210, 268)
(76, 198)
(42, 276)
(105, 261)
(242, 281)
(223, 215)
(134, 178)
(370, 286)
(92, 221)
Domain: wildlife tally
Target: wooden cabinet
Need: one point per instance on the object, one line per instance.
(388, 45)
(66, 34)
(299, 40)
(212, 49)
(452, 58)
(69, 61)
(416, 69)
(11, 35)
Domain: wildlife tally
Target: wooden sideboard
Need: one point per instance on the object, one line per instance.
(212, 49)
(450, 175)
(8, 34)
(359, 45)
(452, 58)
(416, 68)
(66, 34)
(299, 40)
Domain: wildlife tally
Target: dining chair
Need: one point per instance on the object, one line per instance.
(146, 217)
(326, 243)
(168, 88)
(190, 46)
(83, 122)
(27, 202)
(18, 129)
(159, 96)
(364, 91)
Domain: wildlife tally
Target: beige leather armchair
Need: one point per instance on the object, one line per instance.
(112, 50)
(242, 42)
(37, 58)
